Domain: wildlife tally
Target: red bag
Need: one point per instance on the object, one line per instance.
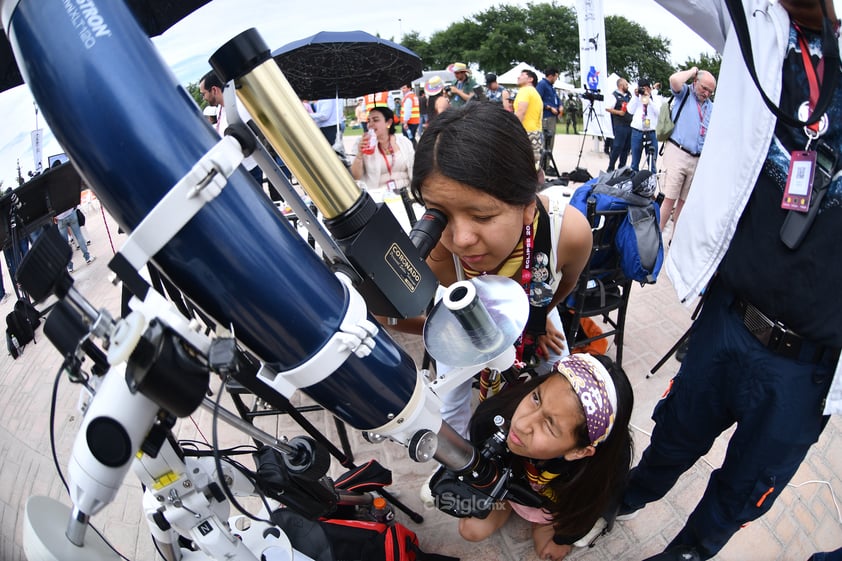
(352, 540)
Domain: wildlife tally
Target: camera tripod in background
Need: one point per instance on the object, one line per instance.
(649, 154)
(578, 173)
(547, 162)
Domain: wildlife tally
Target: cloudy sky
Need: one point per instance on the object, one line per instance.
(187, 46)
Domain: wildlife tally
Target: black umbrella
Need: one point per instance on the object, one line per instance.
(154, 16)
(346, 64)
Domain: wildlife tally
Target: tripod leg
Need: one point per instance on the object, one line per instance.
(670, 352)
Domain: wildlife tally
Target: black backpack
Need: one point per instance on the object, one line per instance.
(21, 324)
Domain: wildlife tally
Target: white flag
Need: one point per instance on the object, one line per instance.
(593, 67)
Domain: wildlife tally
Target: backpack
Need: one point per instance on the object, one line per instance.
(666, 124)
(21, 324)
(352, 540)
(638, 239)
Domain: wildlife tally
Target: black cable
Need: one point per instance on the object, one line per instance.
(218, 463)
(53, 402)
(240, 449)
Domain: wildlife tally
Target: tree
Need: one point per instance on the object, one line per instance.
(416, 44)
(459, 42)
(634, 54)
(542, 35)
(193, 89)
(705, 62)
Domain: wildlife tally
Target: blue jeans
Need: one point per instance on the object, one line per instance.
(8, 253)
(637, 149)
(73, 223)
(729, 377)
(620, 147)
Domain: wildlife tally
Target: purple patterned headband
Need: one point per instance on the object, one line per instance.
(596, 392)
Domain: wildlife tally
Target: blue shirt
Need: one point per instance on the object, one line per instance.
(326, 114)
(548, 96)
(693, 121)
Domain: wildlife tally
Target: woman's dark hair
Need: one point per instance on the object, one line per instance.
(481, 145)
(388, 115)
(589, 487)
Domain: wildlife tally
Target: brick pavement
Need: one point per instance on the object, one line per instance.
(804, 520)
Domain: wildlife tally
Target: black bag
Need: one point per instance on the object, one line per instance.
(21, 324)
(80, 217)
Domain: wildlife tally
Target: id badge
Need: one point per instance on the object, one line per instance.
(392, 186)
(799, 181)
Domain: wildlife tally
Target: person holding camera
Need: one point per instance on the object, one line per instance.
(463, 90)
(682, 150)
(644, 107)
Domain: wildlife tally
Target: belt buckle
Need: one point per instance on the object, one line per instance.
(784, 342)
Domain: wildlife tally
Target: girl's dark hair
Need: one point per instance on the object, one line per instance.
(587, 488)
(481, 145)
(388, 115)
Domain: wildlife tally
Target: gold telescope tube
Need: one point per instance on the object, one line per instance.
(280, 116)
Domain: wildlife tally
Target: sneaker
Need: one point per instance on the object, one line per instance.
(678, 553)
(87, 242)
(90, 259)
(588, 539)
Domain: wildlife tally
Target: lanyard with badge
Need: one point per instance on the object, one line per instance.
(810, 171)
(391, 185)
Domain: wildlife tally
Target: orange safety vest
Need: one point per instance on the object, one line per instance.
(379, 99)
(415, 114)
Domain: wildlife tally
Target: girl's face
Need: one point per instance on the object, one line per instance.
(481, 230)
(544, 424)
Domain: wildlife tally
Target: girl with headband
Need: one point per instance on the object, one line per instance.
(569, 433)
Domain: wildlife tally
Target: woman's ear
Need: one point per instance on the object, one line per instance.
(529, 212)
(579, 453)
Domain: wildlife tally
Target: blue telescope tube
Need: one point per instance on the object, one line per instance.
(133, 132)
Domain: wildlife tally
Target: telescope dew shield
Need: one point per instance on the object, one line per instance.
(396, 281)
(476, 321)
(461, 299)
(236, 259)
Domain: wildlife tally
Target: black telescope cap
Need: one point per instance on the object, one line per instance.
(240, 55)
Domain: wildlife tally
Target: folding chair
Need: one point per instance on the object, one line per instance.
(602, 288)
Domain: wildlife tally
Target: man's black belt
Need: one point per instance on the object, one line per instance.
(779, 339)
(683, 149)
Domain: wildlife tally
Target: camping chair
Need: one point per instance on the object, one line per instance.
(602, 288)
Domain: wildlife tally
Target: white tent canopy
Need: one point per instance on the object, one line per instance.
(509, 78)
